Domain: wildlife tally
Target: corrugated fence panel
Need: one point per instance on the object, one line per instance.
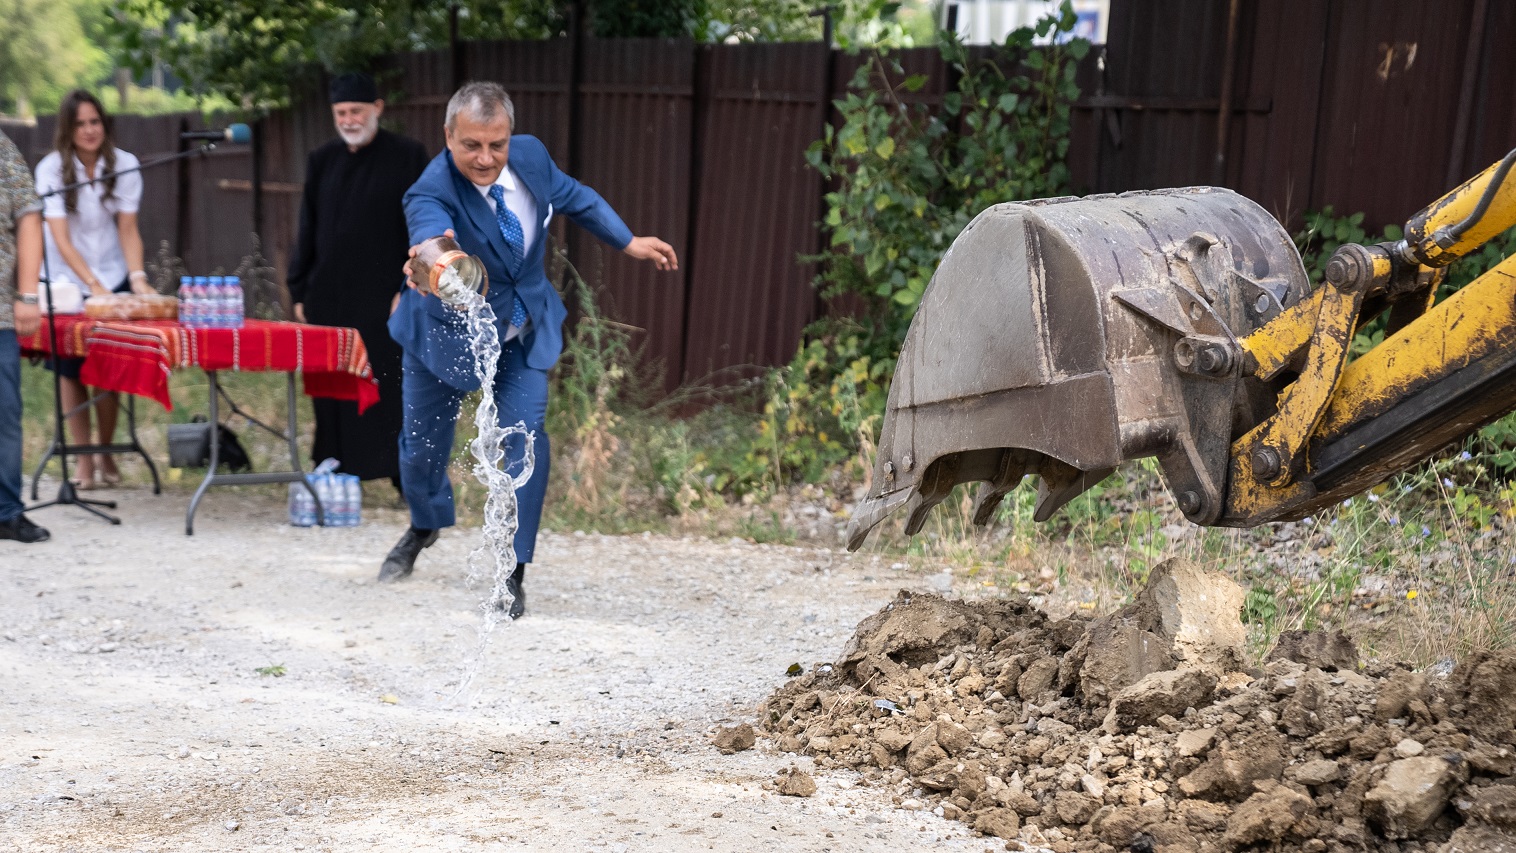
(1166, 56)
(23, 134)
(637, 99)
(1085, 126)
(1390, 97)
(219, 224)
(1278, 146)
(152, 138)
(420, 84)
(1492, 125)
(289, 138)
(757, 206)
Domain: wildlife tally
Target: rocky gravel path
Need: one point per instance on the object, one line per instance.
(134, 715)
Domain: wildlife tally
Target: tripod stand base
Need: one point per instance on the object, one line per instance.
(69, 496)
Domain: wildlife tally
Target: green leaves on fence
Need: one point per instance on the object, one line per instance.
(912, 174)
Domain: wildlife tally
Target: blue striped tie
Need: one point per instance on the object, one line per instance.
(510, 229)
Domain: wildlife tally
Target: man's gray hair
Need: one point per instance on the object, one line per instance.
(482, 101)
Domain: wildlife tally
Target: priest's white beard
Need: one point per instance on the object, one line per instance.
(359, 135)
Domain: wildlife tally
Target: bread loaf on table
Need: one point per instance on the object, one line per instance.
(132, 306)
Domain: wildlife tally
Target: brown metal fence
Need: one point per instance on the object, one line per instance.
(1376, 106)
(1367, 105)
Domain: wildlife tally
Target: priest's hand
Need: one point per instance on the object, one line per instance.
(655, 250)
(299, 312)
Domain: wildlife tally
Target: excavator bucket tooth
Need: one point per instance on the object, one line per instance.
(1013, 468)
(1065, 336)
(1062, 483)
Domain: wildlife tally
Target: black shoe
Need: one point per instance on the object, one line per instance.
(21, 529)
(402, 558)
(516, 586)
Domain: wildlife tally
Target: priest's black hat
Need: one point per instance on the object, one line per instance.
(354, 87)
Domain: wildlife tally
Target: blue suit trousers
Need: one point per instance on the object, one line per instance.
(426, 441)
(10, 426)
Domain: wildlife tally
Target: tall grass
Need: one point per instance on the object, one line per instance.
(261, 395)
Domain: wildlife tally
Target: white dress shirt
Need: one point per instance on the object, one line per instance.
(92, 226)
(518, 199)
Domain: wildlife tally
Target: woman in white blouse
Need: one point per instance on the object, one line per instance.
(93, 241)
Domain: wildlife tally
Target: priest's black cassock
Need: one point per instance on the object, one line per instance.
(347, 267)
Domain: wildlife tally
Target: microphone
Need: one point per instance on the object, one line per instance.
(233, 133)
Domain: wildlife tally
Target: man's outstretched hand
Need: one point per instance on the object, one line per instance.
(655, 250)
(410, 256)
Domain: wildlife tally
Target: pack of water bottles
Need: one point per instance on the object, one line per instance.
(341, 498)
(211, 302)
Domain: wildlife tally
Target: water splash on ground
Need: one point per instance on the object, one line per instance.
(497, 554)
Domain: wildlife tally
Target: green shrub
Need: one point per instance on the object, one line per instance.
(820, 410)
(912, 176)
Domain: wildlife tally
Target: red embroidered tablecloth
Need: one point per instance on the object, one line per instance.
(136, 356)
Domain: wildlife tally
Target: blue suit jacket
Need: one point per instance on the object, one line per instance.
(443, 198)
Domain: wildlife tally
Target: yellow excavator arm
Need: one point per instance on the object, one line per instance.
(1061, 337)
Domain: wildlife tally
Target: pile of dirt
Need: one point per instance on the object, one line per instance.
(1144, 731)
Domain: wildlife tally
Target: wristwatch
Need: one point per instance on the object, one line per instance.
(27, 298)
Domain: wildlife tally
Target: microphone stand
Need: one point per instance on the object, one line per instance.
(68, 494)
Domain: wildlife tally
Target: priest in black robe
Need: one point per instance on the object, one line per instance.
(347, 267)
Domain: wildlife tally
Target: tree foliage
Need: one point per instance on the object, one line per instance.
(912, 176)
(46, 48)
(256, 52)
(857, 21)
(646, 18)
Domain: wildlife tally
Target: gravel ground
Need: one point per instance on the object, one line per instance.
(133, 715)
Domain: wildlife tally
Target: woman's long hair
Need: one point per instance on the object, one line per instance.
(63, 143)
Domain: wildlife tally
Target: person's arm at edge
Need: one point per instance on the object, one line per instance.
(131, 248)
(28, 267)
(587, 208)
(129, 195)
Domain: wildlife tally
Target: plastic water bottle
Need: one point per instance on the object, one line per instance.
(349, 502)
(186, 305)
(198, 292)
(328, 498)
(216, 285)
(345, 486)
(235, 304)
(336, 511)
(302, 509)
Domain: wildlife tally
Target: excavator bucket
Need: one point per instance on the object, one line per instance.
(1059, 338)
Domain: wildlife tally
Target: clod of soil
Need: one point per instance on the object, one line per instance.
(1142, 730)
(735, 739)
(795, 783)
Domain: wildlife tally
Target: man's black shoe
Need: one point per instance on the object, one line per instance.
(402, 558)
(516, 586)
(21, 529)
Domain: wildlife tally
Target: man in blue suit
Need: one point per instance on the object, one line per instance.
(495, 193)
